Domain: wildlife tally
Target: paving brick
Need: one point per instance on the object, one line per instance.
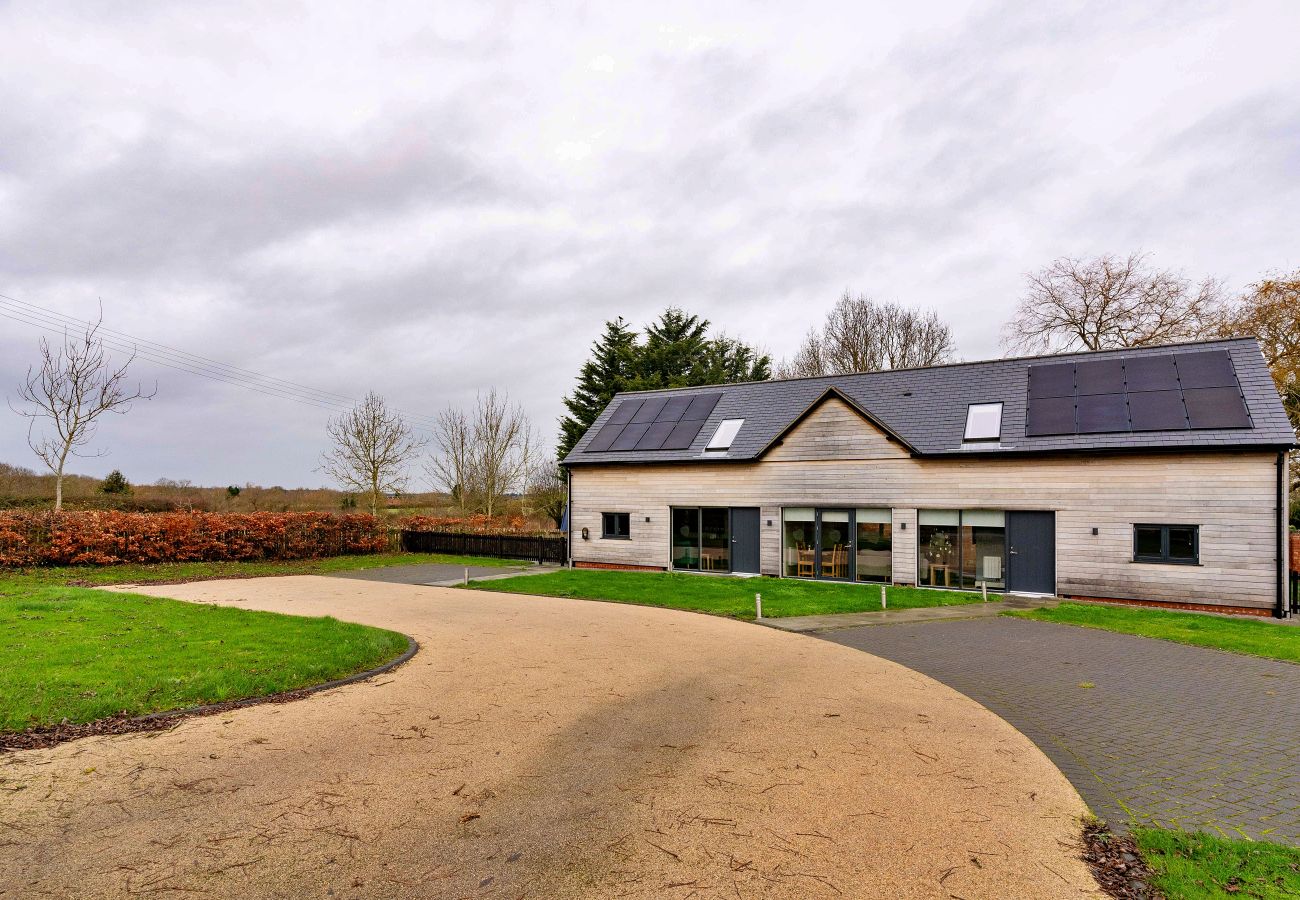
(1170, 732)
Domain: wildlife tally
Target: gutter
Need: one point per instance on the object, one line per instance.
(568, 478)
(1283, 607)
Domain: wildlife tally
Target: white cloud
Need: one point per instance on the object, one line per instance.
(428, 202)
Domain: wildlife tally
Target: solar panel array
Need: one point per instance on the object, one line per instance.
(659, 423)
(1172, 391)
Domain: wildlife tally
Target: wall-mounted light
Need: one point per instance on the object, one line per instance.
(902, 526)
(769, 523)
(586, 534)
(1094, 531)
(647, 518)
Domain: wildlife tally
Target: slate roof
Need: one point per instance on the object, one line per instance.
(926, 409)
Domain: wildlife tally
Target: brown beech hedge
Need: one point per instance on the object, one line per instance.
(107, 537)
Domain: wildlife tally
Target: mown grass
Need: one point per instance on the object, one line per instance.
(1239, 635)
(1195, 866)
(722, 596)
(78, 654)
(162, 573)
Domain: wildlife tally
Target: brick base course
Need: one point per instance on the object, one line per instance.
(1168, 604)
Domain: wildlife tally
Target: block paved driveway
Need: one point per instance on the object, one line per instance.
(1169, 735)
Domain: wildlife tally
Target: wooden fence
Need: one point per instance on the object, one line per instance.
(543, 549)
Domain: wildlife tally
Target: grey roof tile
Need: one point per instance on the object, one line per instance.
(927, 409)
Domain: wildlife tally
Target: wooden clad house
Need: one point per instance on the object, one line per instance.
(1152, 475)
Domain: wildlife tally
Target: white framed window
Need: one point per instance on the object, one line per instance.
(726, 433)
(983, 422)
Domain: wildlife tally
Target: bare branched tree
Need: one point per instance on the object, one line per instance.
(452, 468)
(373, 447)
(547, 492)
(863, 335)
(73, 386)
(485, 454)
(1109, 302)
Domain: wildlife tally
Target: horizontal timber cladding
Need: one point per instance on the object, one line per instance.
(1231, 495)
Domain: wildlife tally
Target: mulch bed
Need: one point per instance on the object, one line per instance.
(1117, 864)
(50, 735)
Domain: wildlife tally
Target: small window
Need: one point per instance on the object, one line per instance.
(616, 525)
(1177, 544)
(726, 433)
(984, 421)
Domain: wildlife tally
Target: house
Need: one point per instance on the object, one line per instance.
(1151, 475)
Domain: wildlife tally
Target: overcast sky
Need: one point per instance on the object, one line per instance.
(428, 203)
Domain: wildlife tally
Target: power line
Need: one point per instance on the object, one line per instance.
(191, 363)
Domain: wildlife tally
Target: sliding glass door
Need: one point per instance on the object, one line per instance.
(961, 548)
(701, 539)
(836, 544)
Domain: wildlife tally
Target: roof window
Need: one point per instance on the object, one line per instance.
(726, 433)
(983, 422)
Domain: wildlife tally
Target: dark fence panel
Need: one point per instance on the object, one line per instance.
(507, 546)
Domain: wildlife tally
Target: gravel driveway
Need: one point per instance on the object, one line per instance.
(540, 747)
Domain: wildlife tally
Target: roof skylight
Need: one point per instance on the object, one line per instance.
(983, 421)
(726, 433)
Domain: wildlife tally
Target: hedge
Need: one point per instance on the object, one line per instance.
(104, 538)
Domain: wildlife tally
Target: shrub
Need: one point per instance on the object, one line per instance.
(105, 538)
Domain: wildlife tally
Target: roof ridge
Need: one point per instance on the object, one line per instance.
(951, 365)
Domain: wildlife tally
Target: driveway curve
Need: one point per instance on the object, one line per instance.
(538, 747)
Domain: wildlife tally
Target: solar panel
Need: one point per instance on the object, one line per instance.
(1151, 373)
(649, 409)
(631, 434)
(655, 436)
(1216, 407)
(683, 434)
(1050, 415)
(625, 411)
(674, 409)
(1051, 380)
(1203, 369)
(604, 438)
(1100, 413)
(1102, 376)
(1157, 410)
(701, 406)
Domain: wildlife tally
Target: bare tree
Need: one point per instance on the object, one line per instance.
(1109, 302)
(373, 446)
(74, 385)
(485, 454)
(452, 468)
(863, 335)
(547, 492)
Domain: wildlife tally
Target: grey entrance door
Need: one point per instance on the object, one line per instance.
(744, 539)
(1031, 552)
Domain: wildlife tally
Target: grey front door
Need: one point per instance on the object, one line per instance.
(1031, 552)
(744, 539)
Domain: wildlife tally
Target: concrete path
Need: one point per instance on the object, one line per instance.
(1149, 731)
(833, 621)
(540, 747)
(429, 573)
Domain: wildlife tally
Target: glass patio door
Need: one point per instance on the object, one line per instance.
(834, 543)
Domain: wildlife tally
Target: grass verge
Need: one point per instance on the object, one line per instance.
(722, 596)
(1238, 635)
(1199, 866)
(81, 655)
(163, 573)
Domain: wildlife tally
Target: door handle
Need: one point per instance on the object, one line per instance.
(1012, 551)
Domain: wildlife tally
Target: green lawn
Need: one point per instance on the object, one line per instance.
(722, 596)
(1196, 866)
(88, 576)
(77, 654)
(1239, 635)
